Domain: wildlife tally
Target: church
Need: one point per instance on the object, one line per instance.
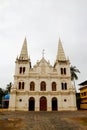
(42, 87)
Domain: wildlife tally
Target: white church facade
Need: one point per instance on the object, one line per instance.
(42, 87)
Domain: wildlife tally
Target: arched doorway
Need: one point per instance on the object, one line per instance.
(43, 104)
(31, 104)
(54, 104)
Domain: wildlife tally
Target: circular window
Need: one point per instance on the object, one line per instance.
(20, 100)
(65, 100)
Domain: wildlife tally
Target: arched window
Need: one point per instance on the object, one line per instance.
(62, 86)
(43, 86)
(53, 86)
(23, 70)
(32, 86)
(19, 85)
(20, 70)
(65, 86)
(64, 70)
(61, 70)
(22, 85)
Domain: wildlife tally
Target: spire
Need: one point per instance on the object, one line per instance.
(60, 53)
(24, 52)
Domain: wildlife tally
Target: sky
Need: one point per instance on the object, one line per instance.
(42, 22)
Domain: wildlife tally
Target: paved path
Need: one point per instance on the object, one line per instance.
(43, 120)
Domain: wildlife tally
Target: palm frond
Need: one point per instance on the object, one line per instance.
(74, 72)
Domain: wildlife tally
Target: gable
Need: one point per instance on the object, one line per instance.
(42, 67)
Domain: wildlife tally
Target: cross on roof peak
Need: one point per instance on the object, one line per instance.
(43, 53)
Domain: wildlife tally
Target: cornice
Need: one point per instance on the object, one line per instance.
(46, 93)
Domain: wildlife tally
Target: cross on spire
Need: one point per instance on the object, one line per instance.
(43, 53)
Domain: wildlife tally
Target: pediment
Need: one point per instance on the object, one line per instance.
(42, 62)
(43, 66)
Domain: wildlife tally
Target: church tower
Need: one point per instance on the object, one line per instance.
(22, 66)
(23, 63)
(62, 65)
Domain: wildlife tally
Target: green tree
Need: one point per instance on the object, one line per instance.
(1, 95)
(3, 92)
(74, 72)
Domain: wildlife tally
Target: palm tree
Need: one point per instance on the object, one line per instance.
(74, 72)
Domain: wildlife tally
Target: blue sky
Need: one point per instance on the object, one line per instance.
(42, 22)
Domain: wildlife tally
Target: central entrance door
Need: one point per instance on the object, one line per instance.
(31, 104)
(43, 104)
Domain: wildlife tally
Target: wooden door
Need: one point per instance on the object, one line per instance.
(31, 104)
(43, 104)
(54, 104)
